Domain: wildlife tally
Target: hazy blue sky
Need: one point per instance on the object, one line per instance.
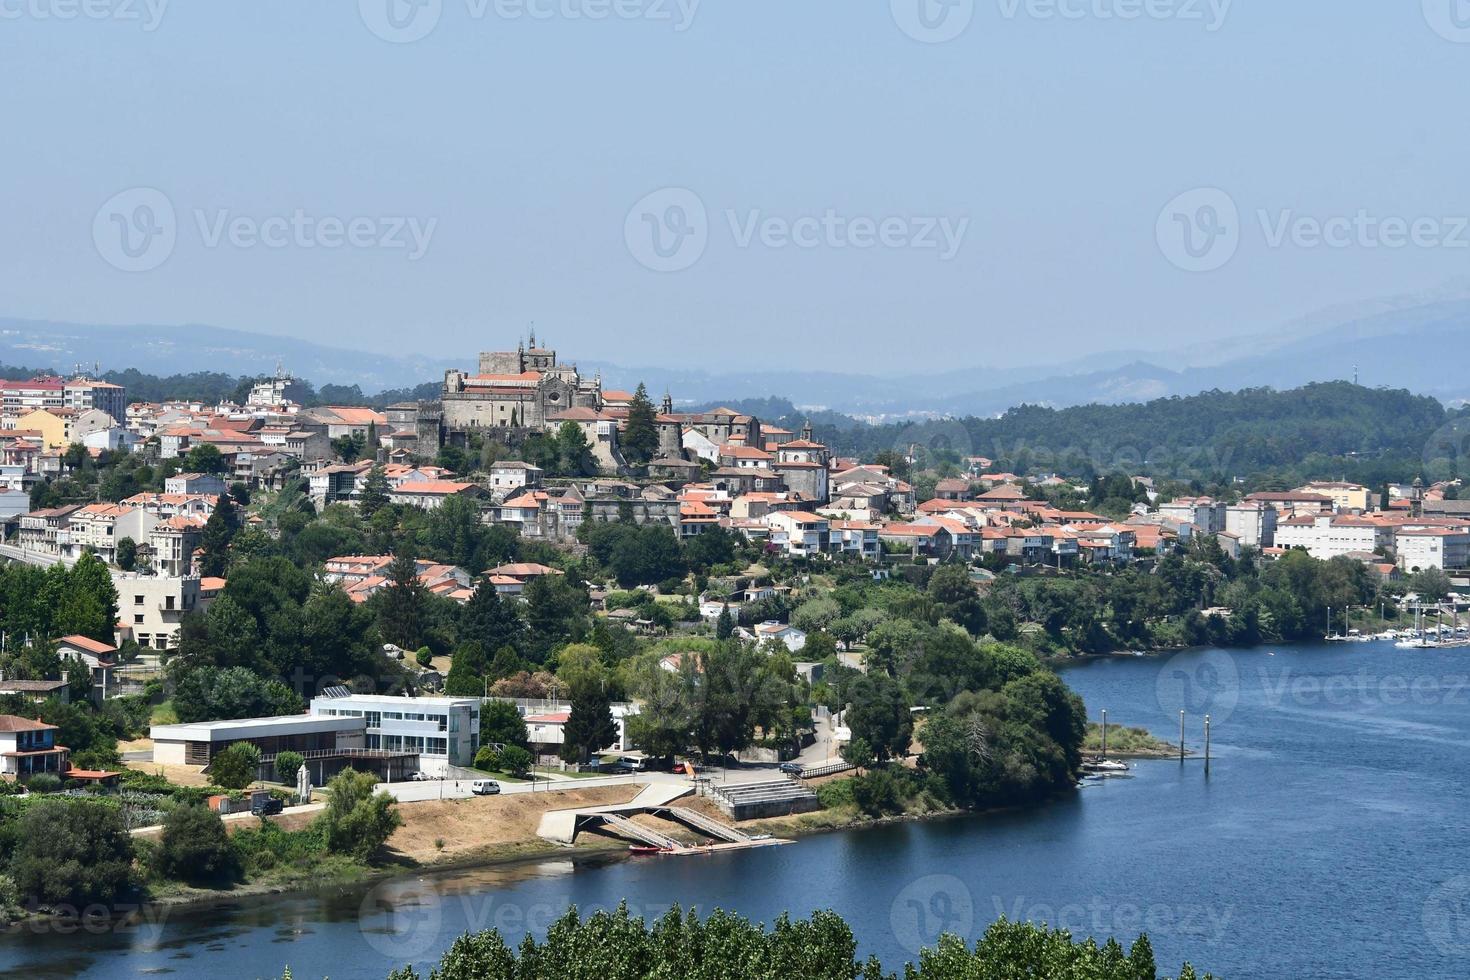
(995, 197)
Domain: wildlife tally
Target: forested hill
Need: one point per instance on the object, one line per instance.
(1327, 430)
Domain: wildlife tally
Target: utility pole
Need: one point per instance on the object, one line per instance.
(1105, 733)
(1181, 736)
(1207, 745)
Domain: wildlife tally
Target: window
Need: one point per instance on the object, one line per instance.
(137, 619)
(137, 600)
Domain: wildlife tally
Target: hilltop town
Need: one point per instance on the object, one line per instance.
(534, 577)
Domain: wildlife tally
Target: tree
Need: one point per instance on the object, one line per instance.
(950, 587)
(288, 764)
(236, 767)
(858, 754)
(489, 620)
(880, 716)
(639, 438)
(127, 554)
(556, 611)
(590, 726)
(400, 617)
(195, 847)
(72, 852)
(515, 761)
(574, 452)
(358, 821)
(374, 496)
(205, 458)
(725, 625)
(214, 541)
(502, 724)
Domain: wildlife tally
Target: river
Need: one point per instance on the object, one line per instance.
(1330, 838)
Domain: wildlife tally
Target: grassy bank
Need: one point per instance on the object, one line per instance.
(1135, 743)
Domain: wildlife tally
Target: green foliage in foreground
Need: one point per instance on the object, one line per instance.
(680, 946)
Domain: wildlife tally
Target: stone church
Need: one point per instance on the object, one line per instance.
(523, 388)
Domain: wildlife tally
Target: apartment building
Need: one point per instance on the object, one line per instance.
(151, 607)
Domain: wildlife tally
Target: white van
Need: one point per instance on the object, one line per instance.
(485, 787)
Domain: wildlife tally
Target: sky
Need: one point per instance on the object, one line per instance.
(893, 185)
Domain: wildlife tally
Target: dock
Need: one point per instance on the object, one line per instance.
(563, 826)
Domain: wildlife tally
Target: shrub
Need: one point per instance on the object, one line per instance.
(515, 760)
(487, 759)
(72, 852)
(424, 657)
(236, 767)
(358, 820)
(45, 782)
(288, 764)
(196, 848)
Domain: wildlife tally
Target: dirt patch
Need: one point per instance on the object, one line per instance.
(480, 823)
(179, 775)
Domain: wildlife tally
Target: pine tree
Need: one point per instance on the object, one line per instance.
(214, 542)
(590, 727)
(640, 435)
(374, 496)
(401, 617)
(725, 625)
(489, 620)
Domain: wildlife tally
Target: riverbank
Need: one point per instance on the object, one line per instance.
(1127, 743)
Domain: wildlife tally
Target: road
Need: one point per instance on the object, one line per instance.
(458, 789)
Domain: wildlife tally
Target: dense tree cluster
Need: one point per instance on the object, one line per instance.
(618, 946)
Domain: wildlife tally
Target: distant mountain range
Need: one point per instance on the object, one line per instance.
(1414, 345)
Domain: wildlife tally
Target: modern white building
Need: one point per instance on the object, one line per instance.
(442, 731)
(1420, 549)
(195, 744)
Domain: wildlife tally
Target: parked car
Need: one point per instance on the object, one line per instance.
(420, 777)
(628, 763)
(485, 787)
(791, 768)
(267, 807)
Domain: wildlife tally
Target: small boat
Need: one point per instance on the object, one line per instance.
(1104, 766)
(646, 849)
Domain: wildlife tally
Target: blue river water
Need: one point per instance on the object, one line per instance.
(1330, 837)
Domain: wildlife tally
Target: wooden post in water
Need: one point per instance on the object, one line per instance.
(1105, 733)
(1181, 736)
(1207, 743)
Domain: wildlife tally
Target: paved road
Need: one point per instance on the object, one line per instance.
(458, 789)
